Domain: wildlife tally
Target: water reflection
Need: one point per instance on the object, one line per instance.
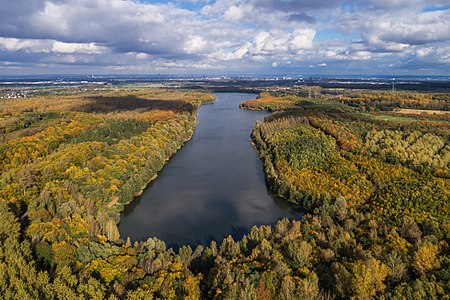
(214, 186)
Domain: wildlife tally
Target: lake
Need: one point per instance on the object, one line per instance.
(212, 187)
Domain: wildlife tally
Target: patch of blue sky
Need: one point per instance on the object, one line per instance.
(152, 1)
(348, 6)
(436, 8)
(186, 4)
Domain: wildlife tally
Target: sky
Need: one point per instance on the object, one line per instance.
(225, 37)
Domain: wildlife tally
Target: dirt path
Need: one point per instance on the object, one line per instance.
(113, 202)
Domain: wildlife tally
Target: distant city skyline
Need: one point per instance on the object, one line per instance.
(225, 37)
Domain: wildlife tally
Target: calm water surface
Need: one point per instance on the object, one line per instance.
(214, 186)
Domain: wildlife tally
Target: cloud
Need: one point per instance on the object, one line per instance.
(194, 44)
(61, 47)
(293, 5)
(224, 34)
(48, 46)
(120, 25)
(273, 42)
(303, 39)
(301, 17)
(348, 55)
(235, 13)
(420, 28)
(235, 54)
(398, 31)
(269, 13)
(28, 45)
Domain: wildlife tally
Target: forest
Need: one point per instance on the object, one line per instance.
(374, 184)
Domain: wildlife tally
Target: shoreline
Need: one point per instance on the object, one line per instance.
(191, 128)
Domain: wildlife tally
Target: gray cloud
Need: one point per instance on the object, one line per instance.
(393, 32)
(301, 17)
(294, 5)
(15, 16)
(120, 35)
(122, 25)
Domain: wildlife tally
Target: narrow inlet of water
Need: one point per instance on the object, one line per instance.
(213, 187)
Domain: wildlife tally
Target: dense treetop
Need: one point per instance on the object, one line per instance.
(374, 184)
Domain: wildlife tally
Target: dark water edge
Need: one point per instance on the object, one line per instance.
(213, 187)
